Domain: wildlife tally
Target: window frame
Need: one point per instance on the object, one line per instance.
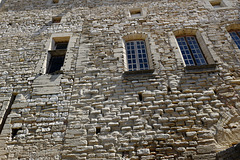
(137, 56)
(131, 11)
(55, 52)
(190, 49)
(210, 55)
(134, 37)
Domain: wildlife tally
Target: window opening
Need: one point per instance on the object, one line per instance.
(169, 89)
(125, 154)
(140, 97)
(236, 37)
(98, 130)
(8, 111)
(191, 51)
(57, 55)
(55, 63)
(137, 55)
(55, 1)
(15, 131)
(56, 19)
(135, 13)
(61, 45)
(216, 4)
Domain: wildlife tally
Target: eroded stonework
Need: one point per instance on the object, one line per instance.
(93, 107)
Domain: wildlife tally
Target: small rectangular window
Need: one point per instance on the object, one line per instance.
(55, 1)
(56, 19)
(135, 12)
(236, 37)
(15, 132)
(57, 54)
(216, 4)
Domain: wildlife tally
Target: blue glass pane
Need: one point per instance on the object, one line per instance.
(186, 53)
(196, 51)
(236, 37)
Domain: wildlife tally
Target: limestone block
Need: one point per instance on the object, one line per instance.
(191, 134)
(162, 136)
(143, 152)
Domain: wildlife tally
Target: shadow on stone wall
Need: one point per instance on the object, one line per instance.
(232, 153)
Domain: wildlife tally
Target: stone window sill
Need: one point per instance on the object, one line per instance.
(201, 69)
(221, 8)
(138, 74)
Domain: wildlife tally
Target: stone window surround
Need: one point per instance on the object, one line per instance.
(43, 62)
(225, 4)
(232, 27)
(137, 36)
(142, 10)
(58, 39)
(210, 55)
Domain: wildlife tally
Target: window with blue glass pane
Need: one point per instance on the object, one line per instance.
(191, 51)
(236, 37)
(138, 59)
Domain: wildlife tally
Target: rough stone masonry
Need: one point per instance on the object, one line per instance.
(67, 92)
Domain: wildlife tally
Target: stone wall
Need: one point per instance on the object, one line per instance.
(96, 109)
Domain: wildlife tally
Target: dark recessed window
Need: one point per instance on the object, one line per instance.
(216, 4)
(55, 1)
(15, 132)
(137, 55)
(55, 63)
(236, 37)
(56, 19)
(61, 45)
(98, 130)
(135, 13)
(191, 51)
(57, 54)
(140, 97)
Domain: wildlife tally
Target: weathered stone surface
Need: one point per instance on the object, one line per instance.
(93, 107)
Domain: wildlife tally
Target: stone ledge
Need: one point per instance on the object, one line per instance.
(138, 74)
(201, 69)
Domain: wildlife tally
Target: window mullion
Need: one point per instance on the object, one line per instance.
(136, 55)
